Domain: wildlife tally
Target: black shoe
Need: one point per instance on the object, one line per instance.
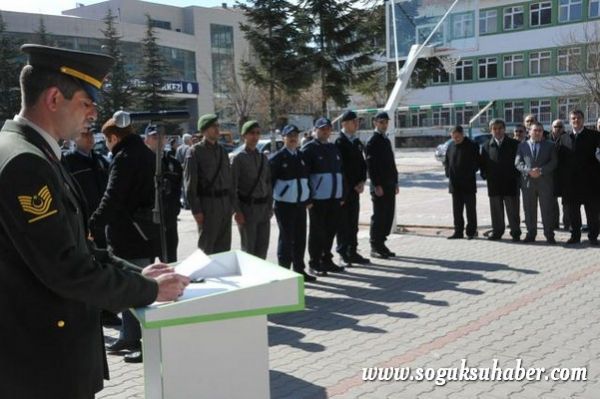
(390, 254)
(494, 237)
(332, 267)
(456, 236)
(573, 240)
(317, 269)
(376, 253)
(516, 238)
(134, 357)
(355, 257)
(551, 240)
(307, 277)
(529, 238)
(120, 345)
(593, 242)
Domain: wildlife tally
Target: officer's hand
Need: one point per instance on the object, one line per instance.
(359, 188)
(397, 189)
(379, 191)
(199, 218)
(308, 206)
(157, 269)
(239, 218)
(171, 286)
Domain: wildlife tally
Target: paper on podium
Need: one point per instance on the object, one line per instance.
(199, 265)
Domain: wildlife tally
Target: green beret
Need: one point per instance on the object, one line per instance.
(206, 120)
(249, 126)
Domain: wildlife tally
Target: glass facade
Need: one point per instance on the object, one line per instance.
(181, 63)
(221, 43)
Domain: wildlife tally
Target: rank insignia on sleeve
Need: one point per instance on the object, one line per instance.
(37, 205)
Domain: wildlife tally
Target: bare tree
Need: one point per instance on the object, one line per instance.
(581, 57)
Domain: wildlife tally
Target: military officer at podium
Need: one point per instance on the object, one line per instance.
(53, 281)
(291, 195)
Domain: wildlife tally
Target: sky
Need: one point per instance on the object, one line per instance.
(55, 7)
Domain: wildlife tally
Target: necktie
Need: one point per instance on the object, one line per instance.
(535, 150)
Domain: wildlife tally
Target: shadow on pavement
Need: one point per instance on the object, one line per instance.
(285, 336)
(286, 386)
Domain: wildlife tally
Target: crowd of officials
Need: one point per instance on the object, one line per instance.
(541, 166)
(320, 178)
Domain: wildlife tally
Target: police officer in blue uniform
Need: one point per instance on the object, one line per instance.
(324, 164)
(355, 175)
(291, 195)
(383, 173)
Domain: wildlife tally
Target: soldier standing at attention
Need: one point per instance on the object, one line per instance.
(381, 167)
(355, 175)
(53, 281)
(172, 176)
(207, 176)
(253, 193)
(292, 196)
(327, 187)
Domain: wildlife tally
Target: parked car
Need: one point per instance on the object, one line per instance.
(440, 151)
(264, 146)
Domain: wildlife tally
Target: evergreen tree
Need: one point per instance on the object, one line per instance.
(9, 74)
(41, 34)
(340, 54)
(280, 60)
(151, 91)
(117, 94)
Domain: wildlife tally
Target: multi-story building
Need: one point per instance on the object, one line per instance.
(528, 57)
(202, 46)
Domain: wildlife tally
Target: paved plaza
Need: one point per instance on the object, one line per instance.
(438, 302)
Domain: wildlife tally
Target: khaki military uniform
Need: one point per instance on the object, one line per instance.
(207, 178)
(253, 197)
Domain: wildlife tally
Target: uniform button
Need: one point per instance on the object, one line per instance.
(60, 323)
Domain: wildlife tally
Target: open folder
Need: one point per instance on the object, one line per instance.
(198, 266)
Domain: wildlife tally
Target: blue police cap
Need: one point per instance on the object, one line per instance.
(290, 129)
(382, 115)
(322, 122)
(348, 116)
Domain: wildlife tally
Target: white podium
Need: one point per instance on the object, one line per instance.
(212, 342)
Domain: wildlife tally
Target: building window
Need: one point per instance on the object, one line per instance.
(593, 57)
(513, 112)
(488, 21)
(486, 117)
(569, 10)
(488, 68)
(592, 113)
(463, 115)
(542, 111)
(464, 71)
(440, 76)
(568, 59)
(594, 8)
(441, 117)
(565, 105)
(223, 67)
(462, 25)
(513, 18)
(513, 65)
(155, 23)
(539, 63)
(541, 14)
(418, 118)
(401, 119)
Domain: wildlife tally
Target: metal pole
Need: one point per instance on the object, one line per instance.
(158, 215)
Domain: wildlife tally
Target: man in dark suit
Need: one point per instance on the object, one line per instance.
(536, 160)
(53, 281)
(461, 164)
(381, 166)
(90, 170)
(498, 168)
(355, 175)
(558, 129)
(579, 176)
